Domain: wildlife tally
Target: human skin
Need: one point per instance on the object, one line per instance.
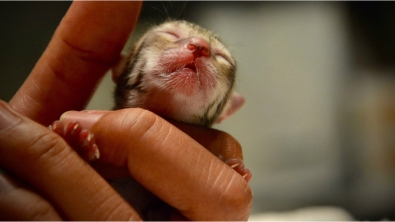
(57, 183)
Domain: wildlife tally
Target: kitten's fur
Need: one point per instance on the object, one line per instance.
(163, 76)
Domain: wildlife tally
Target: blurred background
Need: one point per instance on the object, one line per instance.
(318, 126)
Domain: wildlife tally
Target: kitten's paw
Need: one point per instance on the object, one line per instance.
(81, 140)
(239, 166)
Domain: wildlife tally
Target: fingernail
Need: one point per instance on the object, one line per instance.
(7, 117)
(85, 118)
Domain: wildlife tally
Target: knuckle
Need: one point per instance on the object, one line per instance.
(46, 145)
(44, 151)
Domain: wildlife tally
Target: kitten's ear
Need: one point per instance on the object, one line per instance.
(236, 101)
(118, 69)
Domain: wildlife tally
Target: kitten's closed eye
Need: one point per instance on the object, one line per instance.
(170, 34)
(222, 58)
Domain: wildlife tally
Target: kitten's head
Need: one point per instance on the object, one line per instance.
(180, 71)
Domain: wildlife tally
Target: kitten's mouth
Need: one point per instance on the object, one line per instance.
(191, 78)
(191, 66)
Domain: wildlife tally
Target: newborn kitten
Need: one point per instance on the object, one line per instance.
(186, 66)
(177, 70)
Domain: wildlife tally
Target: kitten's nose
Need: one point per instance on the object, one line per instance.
(199, 47)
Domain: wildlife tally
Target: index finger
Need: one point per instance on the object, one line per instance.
(87, 42)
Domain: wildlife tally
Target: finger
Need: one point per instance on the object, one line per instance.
(219, 143)
(17, 202)
(172, 165)
(86, 44)
(34, 153)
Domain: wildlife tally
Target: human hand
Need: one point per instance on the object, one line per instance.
(178, 174)
(84, 47)
(169, 163)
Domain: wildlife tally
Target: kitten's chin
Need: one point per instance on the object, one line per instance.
(185, 81)
(175, 104)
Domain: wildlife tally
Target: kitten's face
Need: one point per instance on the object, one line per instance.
(185, 73)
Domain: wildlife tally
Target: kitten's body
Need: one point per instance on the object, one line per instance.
(180, 71)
